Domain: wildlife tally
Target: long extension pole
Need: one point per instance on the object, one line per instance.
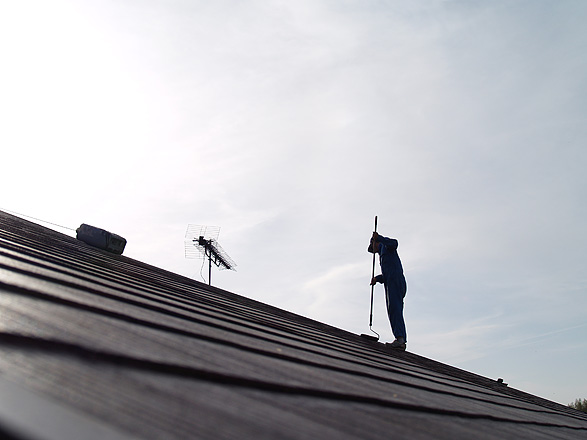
(372, 286)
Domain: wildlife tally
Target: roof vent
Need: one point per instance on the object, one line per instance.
(101, 239)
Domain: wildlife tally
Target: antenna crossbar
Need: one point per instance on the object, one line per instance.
(213, 251)
(204, 239)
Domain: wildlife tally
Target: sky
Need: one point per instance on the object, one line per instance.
(291, 125)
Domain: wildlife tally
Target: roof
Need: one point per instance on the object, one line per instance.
(101, 344)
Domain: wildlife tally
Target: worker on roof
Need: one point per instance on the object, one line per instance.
(392, 277)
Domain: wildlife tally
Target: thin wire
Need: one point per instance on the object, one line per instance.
(37, 219)
(202, 268)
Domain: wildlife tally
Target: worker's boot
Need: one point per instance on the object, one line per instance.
(398, 344)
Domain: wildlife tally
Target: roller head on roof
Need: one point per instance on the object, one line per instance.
(101, 239)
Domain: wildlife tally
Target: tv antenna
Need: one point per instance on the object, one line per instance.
(202, 242)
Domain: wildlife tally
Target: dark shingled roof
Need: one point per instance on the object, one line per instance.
(97, 345)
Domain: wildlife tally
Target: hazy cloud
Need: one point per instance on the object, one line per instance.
(460, 124)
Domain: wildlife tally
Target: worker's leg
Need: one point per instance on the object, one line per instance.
(395, 291)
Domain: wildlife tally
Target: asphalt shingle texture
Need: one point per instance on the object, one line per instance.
(146, 353)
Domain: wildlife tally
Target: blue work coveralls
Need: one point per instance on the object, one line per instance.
(392, 277)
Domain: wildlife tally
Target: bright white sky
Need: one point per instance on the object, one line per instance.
(290, 125)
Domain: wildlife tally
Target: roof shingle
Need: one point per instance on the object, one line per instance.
(146, 353)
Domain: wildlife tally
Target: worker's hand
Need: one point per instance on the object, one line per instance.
(375, 236)
(373, 281)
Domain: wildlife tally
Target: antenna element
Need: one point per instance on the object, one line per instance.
(202, 242)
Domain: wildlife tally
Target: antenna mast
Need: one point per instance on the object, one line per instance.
(204, 239)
